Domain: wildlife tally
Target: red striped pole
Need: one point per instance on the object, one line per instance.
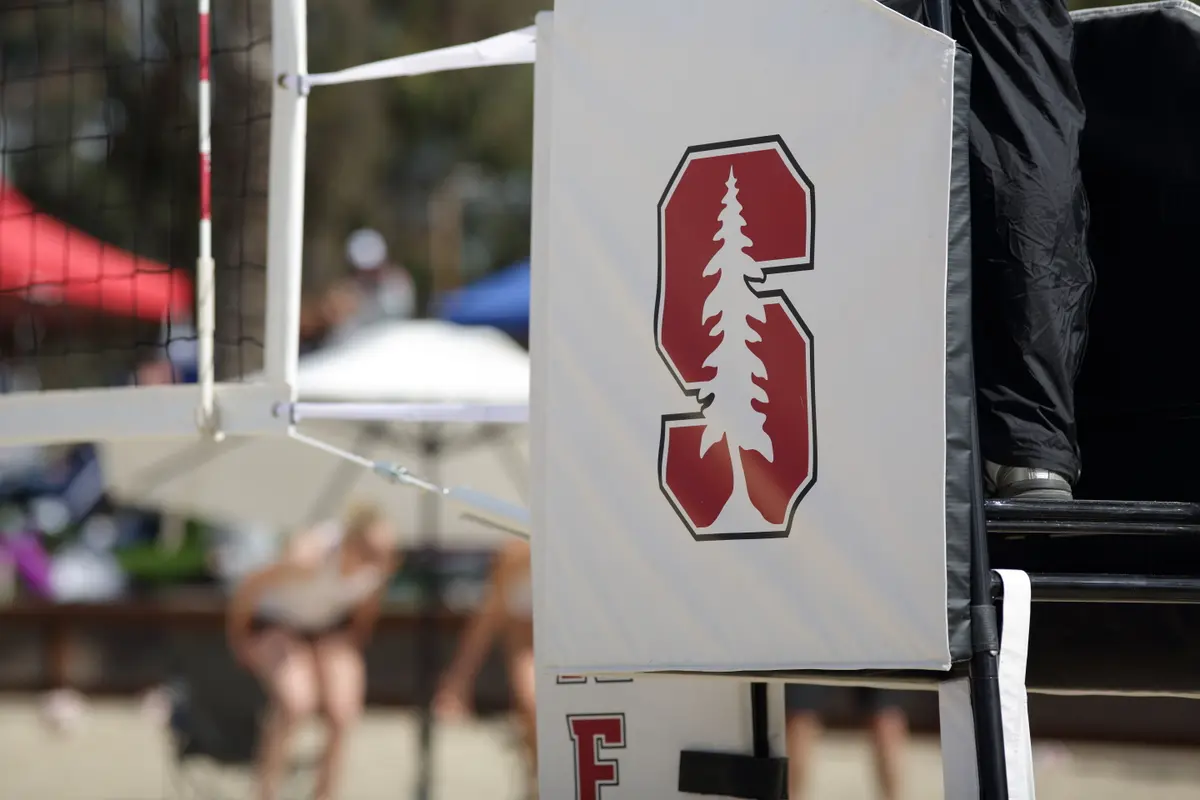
(205, 121)
(205, 278)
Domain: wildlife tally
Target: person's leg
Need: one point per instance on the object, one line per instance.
(803, 703)
(522, 670)
(342, 677)
(889, 736)
(1032, 279)
(285, 666)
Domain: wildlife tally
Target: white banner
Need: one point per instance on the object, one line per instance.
(742, 277)
(620, 738)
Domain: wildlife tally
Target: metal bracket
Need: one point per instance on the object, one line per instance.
(210, 424)
(296, 83)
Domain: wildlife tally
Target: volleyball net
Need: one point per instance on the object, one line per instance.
(103, 257)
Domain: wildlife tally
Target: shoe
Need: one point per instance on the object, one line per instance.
(1025, 483)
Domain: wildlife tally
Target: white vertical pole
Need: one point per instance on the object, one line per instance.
(549, 692)
(205, 267)
(285, 200)
(540, 273)
(960, 765)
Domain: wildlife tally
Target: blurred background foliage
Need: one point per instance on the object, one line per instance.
(98, 126)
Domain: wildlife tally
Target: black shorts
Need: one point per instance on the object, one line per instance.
(818, 699)
(261, 624)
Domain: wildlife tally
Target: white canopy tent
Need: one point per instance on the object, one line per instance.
(284, 483)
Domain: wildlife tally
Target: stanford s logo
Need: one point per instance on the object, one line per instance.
(733, 214)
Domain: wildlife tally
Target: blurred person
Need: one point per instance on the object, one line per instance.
(340, 307)
(887, 723)
(382, 289)
(507, 609)
(324, 314)
(312, 324)
(176, 358)
(300, 625)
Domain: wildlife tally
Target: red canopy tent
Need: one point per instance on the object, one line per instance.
(45, 261)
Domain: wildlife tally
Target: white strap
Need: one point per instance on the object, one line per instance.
(1014, 700)
(514, 47)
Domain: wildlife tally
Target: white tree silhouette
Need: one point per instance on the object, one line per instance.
(732, 388)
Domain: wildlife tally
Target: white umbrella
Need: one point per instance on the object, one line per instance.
(284, 483)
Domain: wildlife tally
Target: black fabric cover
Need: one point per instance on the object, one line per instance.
(1138, 399)
(1032, 276)
(1139, 413)
(959, 373)
(1139, 416)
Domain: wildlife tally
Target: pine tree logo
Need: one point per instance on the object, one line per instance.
(727, 397)
(732, 218)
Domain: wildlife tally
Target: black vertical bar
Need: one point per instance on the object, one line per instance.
(760, 730)
(431, 600)
(760, 723)
(985, 680)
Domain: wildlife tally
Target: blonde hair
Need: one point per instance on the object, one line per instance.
(363, 520)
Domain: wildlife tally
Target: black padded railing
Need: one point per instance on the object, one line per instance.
(1101, 588)
(1153, 524)
(1092, 518)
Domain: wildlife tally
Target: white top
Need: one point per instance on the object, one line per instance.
(324, 597)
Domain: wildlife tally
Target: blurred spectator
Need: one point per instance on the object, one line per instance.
(300, 626)
(886, 720)
(176, 360)
(378, 289)
(506, 612)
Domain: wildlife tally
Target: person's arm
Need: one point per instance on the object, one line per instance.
(245, 600)
(366, 614)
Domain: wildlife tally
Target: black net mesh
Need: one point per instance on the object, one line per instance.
(99, 189)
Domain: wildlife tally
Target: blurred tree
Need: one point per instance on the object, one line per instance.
(411, 136)
(98, 126)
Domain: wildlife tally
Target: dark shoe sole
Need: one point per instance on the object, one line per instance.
(1057, 495)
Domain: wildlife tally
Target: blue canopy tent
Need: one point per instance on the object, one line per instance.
(500, 300)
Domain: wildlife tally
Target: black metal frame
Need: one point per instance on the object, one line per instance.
(1109, 589)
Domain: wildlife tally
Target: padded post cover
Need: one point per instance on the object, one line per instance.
(751, 305)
